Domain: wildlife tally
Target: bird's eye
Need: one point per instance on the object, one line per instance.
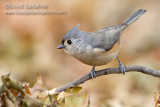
(69, 42)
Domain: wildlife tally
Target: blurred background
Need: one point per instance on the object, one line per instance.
(28, 46)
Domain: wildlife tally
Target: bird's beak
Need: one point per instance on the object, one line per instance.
(61, 46)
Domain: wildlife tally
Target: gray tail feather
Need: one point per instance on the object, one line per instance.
(135, 16)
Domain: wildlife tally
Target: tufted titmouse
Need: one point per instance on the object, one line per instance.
(99, 47)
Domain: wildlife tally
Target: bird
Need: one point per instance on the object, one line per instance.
(99, 47)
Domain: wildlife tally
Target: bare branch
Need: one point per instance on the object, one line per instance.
(107, 71)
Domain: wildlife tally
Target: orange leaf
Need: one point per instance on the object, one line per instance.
(155, 98)
(14, 92)
(27, 88)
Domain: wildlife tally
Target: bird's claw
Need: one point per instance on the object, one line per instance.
(122, 68)
(93, 73)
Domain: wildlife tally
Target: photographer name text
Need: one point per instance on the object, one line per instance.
(26, 6)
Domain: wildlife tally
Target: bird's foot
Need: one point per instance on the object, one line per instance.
(93, 73)
(122, 68)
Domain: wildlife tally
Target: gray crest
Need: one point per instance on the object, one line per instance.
(72, 33)
(74, 29)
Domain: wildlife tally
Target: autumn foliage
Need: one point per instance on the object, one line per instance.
(14, 93)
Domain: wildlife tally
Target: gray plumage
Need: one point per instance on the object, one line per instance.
(89, 47)
(112, 33)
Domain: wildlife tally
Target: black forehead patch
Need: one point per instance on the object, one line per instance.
(63, 41)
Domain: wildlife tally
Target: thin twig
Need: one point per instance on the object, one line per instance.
(107, 71)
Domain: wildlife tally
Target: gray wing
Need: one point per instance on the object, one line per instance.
(106, 37)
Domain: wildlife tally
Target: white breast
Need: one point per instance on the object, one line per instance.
(96, 57)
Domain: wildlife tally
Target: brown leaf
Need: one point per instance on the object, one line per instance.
(62, 95)
(12, 84)
(53, 91)
(38, 87)
(73, 97)
(6, 92)
(9, 103)
(2, 100)
(32, 102)
(19, 99)
(76, 97)
(155, 98)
